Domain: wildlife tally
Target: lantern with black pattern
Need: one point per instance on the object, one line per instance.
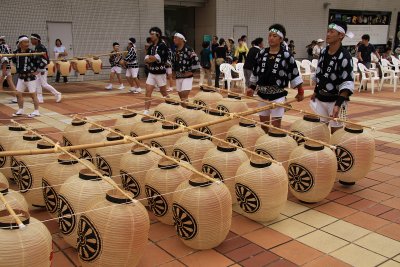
(126, 121)
(207, 97)
(168, 110)
(95, 134)
(166, 143)
(312, 127)
(245, 134)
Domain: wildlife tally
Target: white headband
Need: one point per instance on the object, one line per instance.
(23, 38)
(2, 37)
(278, 32)
(340, 29)
(180, 36)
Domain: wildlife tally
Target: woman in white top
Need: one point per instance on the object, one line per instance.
(59, 53)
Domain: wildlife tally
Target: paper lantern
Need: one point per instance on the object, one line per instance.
(51, 69)
(73, 132)
(56, 174)
(133, 169)
(114, 233)
(159, 186)
(191, 115)
(31, 171)
(244, 134)
(81, 66)
(65, 68)
(261, 189)
(4, 180)
(311, 127)
(207, 97)
(97, 65)
(14, 198)
(73, 198)
(126, 121)
(166, 143)
(217, 130)
(222, 163)
(192, 148)
(168, 110)
(95, 134)
(109, 157)
(355, 151)
(31, 246)
(277, 145)
(147, 125)
(311, 172)
(202, 213)
(232, 104)
(8, 135)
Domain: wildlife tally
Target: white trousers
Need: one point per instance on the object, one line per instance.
(41, 82)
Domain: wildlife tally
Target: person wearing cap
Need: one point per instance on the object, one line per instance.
(317, 48)
(115, 63)
(5, 64)
(184, 62)
(41, 77)
(132, 67)
(274, 68)
(27, 69)
(156, 58)
(334, 76)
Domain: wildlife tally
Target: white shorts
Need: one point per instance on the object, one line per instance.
(132, 72)
(274, 113)
(185, 84)
(159, 80)
(325, 109)
(169, 71)
(116, 69)
(22, 86)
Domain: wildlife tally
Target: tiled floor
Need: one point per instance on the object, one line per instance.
(358, 225)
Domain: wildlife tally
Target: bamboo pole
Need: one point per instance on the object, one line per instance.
(57, 148)
(12, 212)
(158, 152)
(23, 54)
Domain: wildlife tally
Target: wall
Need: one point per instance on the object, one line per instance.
(205, 22)
(304, 20)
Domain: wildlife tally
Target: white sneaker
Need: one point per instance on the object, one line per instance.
(109, 87)
(170, 89)
(121, 87)
(19, 112)
(35, 113)
(146, 112)
(58, 98)
(138, 91)
(14, 100)
(40, 98)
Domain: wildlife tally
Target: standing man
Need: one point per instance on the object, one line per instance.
(317, 49)
(274, 68)
(364, 51)
(5, 70)
(115, 59)
(132, 67)
(214, 44)
(334, 76)
(251, 59)
(156, 58)
(41, 77)
(27, 69)
(185, 62)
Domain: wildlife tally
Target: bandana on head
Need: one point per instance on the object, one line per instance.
(179, 35)
(340, 29)
(23, 38)
(278, 32)
(35, 36)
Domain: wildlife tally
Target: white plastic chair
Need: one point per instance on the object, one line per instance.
(367, 76)
(314, 64)
(226, 69)
(355, 68)
(306, 65)
(240, 70)
(388, 74)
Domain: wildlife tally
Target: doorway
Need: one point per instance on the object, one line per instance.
(62, 31)
(180, 19)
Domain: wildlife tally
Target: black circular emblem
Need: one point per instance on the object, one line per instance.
(247, 198)
(344, 159)
(179, 154)
(300, 179)
(158, 145)
(205, 130)
(234, 141)
(66, 216)
(223, 108)
(50, 197)
(66, 142)
(103, 165)
(130, 184)
(24, 180)
(86, 155)
(2, 159)
(264, 153)
(185, 224)
(158, 115)
(298, 139)
(89, 240)
(212, 172)
(157, 202)
(181, 121)
(14, 168)
(200, 102)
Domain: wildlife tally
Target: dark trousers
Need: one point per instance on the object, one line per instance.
(58, 77)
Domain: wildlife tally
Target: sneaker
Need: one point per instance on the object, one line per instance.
(138, 91)
(40, 98)
(121, 87)
(14, 101)
(109, 87)
(132, 89)
(58, 98)
(170, 89)
(146, 112)
(34, 114)
(19, 112)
